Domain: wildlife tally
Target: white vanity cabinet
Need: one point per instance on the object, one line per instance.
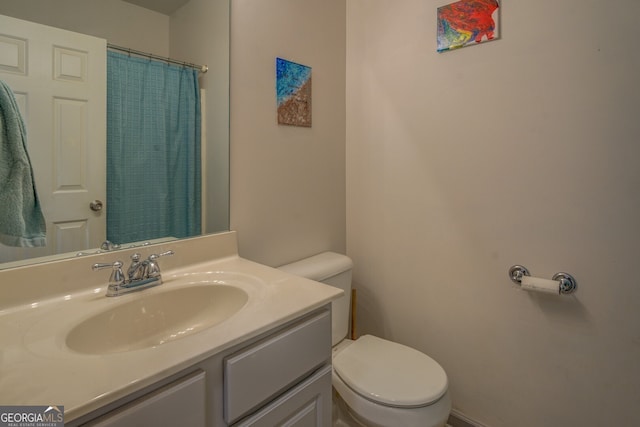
(280, 378)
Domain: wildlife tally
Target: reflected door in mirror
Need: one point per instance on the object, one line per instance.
(59, 80)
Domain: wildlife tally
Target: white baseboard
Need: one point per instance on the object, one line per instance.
(458, 419)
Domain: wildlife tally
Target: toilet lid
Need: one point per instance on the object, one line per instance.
(390, 373)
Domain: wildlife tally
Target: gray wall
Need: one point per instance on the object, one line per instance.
(460, 164)
(287, 183)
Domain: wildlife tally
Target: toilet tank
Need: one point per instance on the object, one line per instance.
(332, 269)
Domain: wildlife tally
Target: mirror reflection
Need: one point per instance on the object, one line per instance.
(155, 175)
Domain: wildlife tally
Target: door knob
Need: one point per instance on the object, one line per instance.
(96, 205)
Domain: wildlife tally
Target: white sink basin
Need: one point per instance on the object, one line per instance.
(156, 318)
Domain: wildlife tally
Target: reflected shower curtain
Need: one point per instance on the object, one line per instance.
(153, 149)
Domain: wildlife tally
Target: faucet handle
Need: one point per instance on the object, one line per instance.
(153, 269)
(156, 256)
(117, 276)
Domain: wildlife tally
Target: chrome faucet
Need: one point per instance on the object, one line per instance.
(140, 274)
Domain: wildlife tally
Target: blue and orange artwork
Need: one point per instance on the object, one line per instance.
(293, 89)
(467, 22)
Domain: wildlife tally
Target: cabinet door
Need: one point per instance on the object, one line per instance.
(306, 405)
(181, 403)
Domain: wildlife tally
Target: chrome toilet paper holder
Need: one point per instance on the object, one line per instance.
(567, 283)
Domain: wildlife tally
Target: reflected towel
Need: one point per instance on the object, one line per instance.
(21, 219)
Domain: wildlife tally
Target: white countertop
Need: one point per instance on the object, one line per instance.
(37, 368)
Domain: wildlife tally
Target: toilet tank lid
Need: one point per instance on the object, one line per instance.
(319, 267)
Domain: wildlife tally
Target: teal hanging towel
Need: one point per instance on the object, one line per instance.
(21, 219)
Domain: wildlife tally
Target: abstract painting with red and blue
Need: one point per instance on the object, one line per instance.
(467, 22)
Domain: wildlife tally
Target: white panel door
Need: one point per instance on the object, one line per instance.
(59, 79)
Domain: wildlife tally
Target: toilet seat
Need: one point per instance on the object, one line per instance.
(390, 373)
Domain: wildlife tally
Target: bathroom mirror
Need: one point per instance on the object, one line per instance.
(194, 31)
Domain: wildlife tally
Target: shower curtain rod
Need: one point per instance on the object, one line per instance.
(201, 68)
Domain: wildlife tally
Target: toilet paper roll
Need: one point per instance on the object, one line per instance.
(537, 284)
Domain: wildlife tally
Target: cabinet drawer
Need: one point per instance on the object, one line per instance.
(256, 374)
(307, 404)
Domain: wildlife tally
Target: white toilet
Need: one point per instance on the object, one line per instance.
(380, 383)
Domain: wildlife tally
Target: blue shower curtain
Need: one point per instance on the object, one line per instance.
(153, 149)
